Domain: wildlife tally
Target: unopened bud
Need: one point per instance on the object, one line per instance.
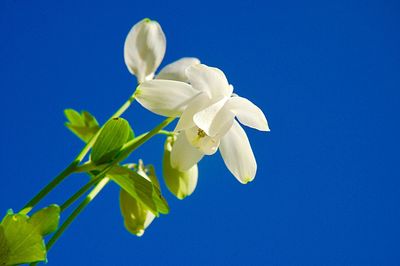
(180, 183)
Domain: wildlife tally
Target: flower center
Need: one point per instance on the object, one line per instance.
(201, 133)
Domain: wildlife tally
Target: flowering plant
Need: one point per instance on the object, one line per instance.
(198, 96)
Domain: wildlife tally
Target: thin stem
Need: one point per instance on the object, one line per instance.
(86, 167)
(166, 132)
(95, 191)
(46, 190)
(132, 145)
(124, 107)
(79, 193)
(71, 168)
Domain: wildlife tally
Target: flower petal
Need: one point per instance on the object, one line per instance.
(183, 155)
(186, 119)
(209, 79)
(237, 154)
(165, 97)
(198, 138)
(216, 119)
(177, 70)
(144, 49)
(248, 113)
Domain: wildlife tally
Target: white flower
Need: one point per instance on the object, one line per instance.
(144, 50)
(207, 109)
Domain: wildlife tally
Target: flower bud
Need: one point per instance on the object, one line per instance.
(136, 216)
(180, 183)
(144, 49)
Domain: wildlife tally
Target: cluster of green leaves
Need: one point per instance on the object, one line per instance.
(83, 124)
(109, 144)
(21, 236)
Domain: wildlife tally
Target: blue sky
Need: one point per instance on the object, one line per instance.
(326, 74)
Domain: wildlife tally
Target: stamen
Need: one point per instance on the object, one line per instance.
(201, 133)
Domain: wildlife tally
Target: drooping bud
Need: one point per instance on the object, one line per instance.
(144, 49)
(180, 183)
(137, 217)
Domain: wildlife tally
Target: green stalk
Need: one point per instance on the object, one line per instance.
(96, 190)
(132, 145)
(46, 190)
(79, 193)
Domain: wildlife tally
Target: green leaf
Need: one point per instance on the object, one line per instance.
(4, 250)
(21, 237)
(24, 243)
(74, 117)
(89, 119)
(113, 136)
(46, 220)
(83, 124)
(152, 175)
(140, 188)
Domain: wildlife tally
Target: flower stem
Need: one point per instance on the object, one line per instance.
(72, 167)
(166, 133)
(95, 191)
(46, 190)
(132, 145)
(79, 193)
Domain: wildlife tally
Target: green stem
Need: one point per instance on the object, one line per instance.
(95, 191)
(46, 190)
(72, 167)
(79, 193)
(132, 145)
(166, 132)
(86, 167)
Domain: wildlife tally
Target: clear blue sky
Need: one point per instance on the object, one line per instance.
(326, 74)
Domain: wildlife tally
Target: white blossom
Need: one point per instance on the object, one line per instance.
(144, 51)
(207, 109)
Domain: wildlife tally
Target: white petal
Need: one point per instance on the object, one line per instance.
(149, 218)
(165, 97)
(237, 154)
(198, 138)
(209, 79)
(183, 155)
(186, 119)
(144, 49)
(177, 70)
(248, 113)
(216, 119)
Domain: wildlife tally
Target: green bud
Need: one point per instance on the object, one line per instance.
(136, 216)
(181, 184)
